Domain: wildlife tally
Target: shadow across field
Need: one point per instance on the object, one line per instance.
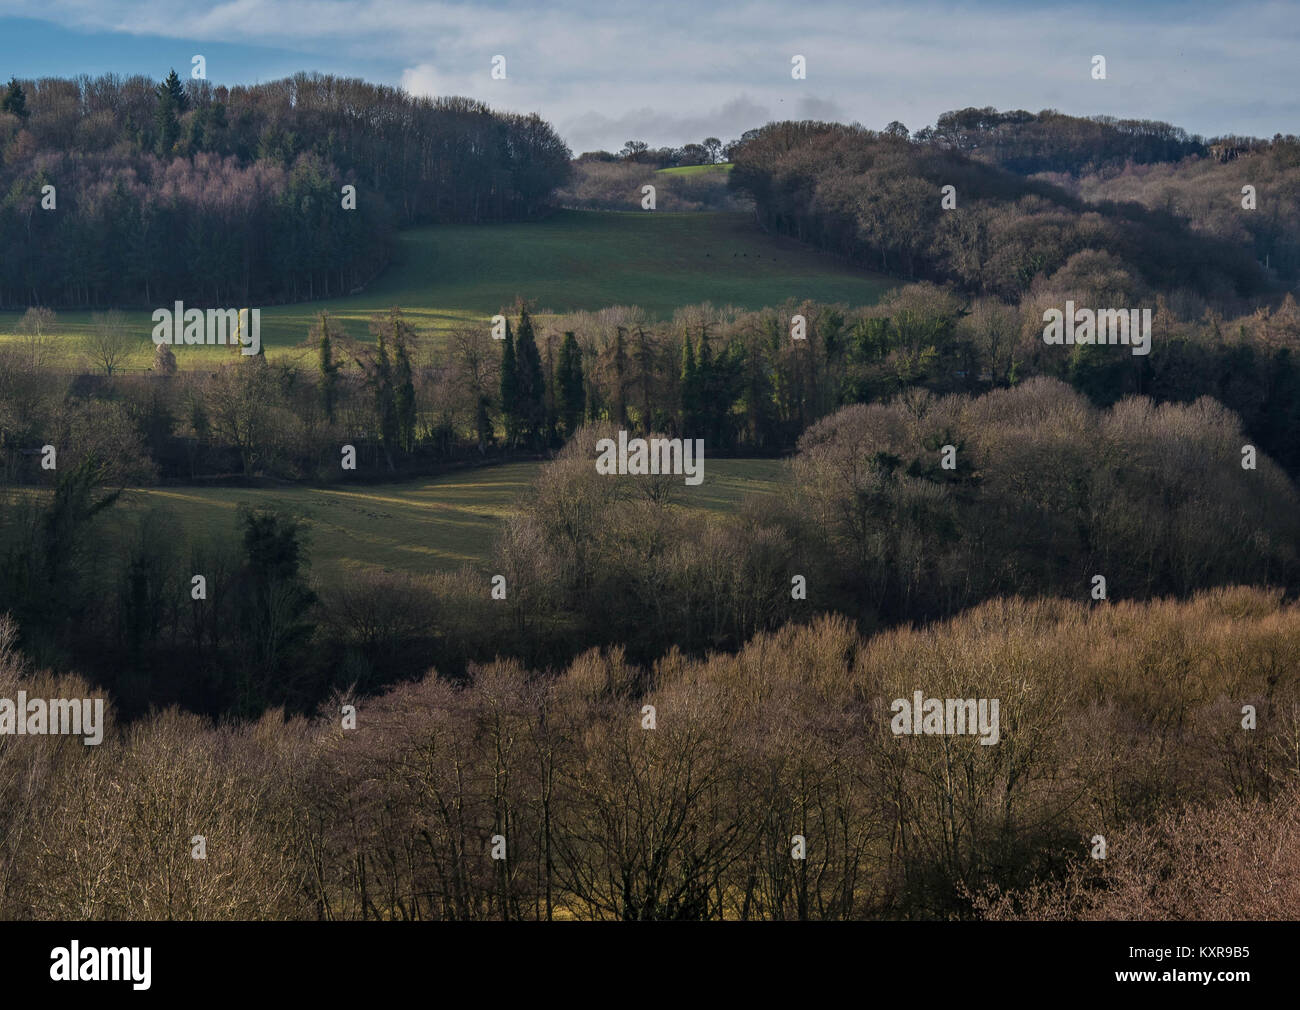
(427, 526)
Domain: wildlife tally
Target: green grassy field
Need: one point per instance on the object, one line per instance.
(697, 169)
(418, 527)
(454, 275)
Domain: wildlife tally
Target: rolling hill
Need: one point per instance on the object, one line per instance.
(454, 275)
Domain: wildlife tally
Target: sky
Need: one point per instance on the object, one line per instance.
(667, 72)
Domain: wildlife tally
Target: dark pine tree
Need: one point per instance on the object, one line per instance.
(690, 390)
(167, 127)
(15, 100)
(532, 383)
(328, 369)
(571, 391)
(381, 384)
(272, 606)
(177, 91)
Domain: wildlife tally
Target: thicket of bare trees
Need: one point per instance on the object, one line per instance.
(1045, 492)
(1246, 853)
(876, 197)
(1124, 720)
(1208, 192)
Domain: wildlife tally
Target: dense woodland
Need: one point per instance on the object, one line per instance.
(233, 196)
(875, 198)
(1118, 720)
(524, 717)
(888, 385)
(1206, 193)
(1049, 490)
(734, 378)
(1049, 141)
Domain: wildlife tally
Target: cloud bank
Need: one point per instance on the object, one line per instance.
(607, 72)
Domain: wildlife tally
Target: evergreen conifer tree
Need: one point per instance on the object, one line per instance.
(328, 368)
(15, 100)
(532, 383)
(571, 392)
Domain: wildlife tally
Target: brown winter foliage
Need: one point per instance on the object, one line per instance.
(1233, 859)
(1124, 720)
(1208, 194)
(1045, 492)
(875, 198)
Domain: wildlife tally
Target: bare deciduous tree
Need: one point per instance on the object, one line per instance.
(109, 342)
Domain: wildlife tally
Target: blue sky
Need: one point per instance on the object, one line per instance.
(669, 72)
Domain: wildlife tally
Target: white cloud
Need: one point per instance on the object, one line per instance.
(605, 71)
(423, 79)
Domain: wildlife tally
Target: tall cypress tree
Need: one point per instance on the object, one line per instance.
(532, 382)
(510, 388)
(690, 390)
(329, 369)
(571, 393)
